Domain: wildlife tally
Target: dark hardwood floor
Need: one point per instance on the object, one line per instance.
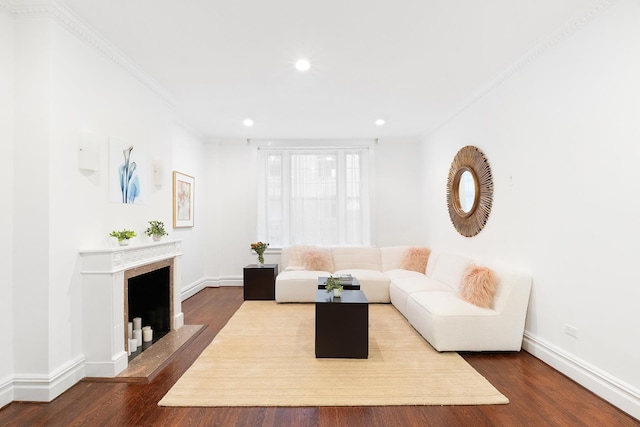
(539, 395)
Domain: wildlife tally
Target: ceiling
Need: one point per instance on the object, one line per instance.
(412, 63)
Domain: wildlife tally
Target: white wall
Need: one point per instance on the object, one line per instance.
(89, 93)
(565, 130)
(6, 215)
(31, 200)
(188, 158)
(397, 185)
(236, 209)
(64, 86)
(395, 199)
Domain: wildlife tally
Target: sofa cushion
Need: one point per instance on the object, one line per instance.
(392, 256)
(402, 287)
(478, 286)
(298, 286)
(450, 269)
(398, 273)
(364, 275)
(374, 284)
(293, 256)
(444, 303)
(356, 258)
(317, 260)
(416, 259)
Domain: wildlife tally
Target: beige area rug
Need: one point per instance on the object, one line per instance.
(265, 356)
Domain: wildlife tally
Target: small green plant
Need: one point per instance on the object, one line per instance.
(123, 234)
(332, 283)
(156, 228)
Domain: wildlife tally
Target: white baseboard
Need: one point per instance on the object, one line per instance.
(196, 287)
(231, 281)
(178, 321)
(611, 389)
(210, 282)
(45, 388)
(6, 391)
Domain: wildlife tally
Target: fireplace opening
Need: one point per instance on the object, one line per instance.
(149, 298)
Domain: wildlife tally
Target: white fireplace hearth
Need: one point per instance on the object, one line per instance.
(104, 287)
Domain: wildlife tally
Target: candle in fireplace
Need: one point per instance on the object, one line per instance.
(137, 335)
(147, 334)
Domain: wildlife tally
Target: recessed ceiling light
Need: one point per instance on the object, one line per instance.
(379, 122)
(302, 65)
(247, 122)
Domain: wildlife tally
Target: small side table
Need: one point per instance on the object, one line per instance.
(260, 282)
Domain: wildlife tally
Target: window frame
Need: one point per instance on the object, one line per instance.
(342, 150)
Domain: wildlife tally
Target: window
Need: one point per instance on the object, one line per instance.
(314, 196)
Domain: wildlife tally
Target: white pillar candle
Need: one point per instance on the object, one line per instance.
(147, 335)
(146, 328)
(137, 323)
(133, 344)
(130, 331)
(137, 335)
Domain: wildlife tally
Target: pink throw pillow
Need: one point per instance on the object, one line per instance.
(416, 259)
(478, 286)
(317, 260)
(296, 255)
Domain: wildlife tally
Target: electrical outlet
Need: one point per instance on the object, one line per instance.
(572, 331)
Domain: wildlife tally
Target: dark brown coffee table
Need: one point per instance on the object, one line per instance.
(354, 285)
(342, 325)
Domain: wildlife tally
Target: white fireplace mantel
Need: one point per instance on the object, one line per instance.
(103, 275)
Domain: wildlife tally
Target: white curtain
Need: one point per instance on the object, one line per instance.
(314, 196)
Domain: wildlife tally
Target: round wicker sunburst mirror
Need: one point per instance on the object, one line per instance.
(469, 191)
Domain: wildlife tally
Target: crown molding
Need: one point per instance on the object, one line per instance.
(31, 8)
(76, 26)
(530, 56)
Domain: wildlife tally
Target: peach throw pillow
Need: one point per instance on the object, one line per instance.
(416, 259)
(296, 255)
(478, 286)
(317, 260)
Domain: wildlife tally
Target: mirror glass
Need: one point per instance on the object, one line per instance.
(467, 191)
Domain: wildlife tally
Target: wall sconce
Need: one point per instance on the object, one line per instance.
(88, 152)
(158, 170)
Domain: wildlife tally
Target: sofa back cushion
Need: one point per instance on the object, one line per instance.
(356, 258)
(415, 259)
(450, 268)
(318, 259)
(292, 257)
(510, 283)
(392, 257)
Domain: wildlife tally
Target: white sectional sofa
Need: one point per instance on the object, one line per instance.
(429, 300)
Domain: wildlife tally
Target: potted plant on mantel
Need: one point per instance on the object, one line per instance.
(123, 236)
(156, 230)
(333, 284)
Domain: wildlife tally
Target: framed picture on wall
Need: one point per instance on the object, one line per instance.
(127, 173)
(183, 191)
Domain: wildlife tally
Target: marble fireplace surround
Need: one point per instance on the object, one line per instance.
(104, 283)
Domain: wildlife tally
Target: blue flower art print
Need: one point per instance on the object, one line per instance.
(127, 172)
(129, 182)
